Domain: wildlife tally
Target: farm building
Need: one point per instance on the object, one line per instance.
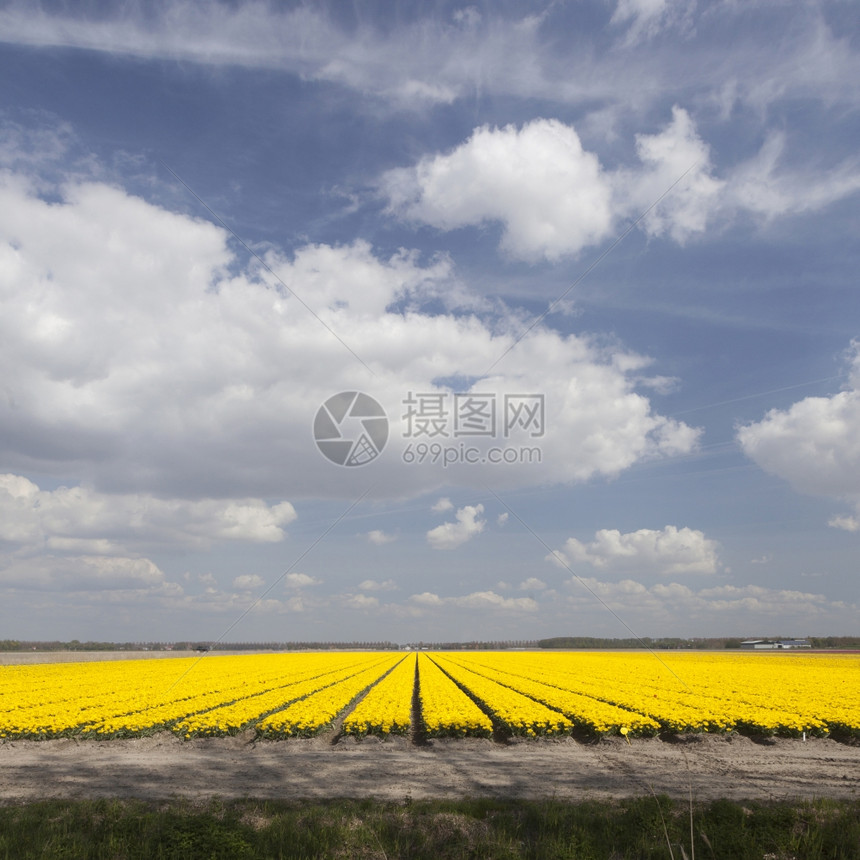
(774, 644)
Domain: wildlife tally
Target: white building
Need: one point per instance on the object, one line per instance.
(774, 644)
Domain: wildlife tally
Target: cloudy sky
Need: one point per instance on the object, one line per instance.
(594, 265)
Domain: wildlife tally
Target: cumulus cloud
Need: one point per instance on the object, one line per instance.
(426, 598)
(847, 523)
(814, 444)
(300, 580)
(379, 537)
(450, 535)
(442, 505)
(532, 584)
(360, 601)
(375, 585)
(82, 519)
(548, 192)
(677, 151)
(720, 603)
(138, 354)
(476, 600)
(248, 582)
(86, 573)
(666, 551)
(553, 198)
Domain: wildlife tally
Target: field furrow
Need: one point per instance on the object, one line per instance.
(446, 710)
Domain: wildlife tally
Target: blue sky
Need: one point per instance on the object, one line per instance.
(641, 215)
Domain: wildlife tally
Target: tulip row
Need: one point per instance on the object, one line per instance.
(446, 711)
(317, 712)
(521, 714)
(387, 708)
(233, 718)
(588, 713)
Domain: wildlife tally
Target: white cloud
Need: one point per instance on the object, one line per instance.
(489, 599)
(167, 398)
(248, 582)
(435, 58)
(761, 187)
(295, 604)
(300, 580)
(502, 518)
(553, 198)
(453, 534)
(639, 10)
(815, 443)
(549, 193)
(666, 157)
(426, 598)
(476, 600)
(667, 551)
(847, 523)
(532, 584)
(86, 573)
(720, 603)
(81, 519)
(645, 18)
(360, 601)
(379, 537)
(443, 505)
(374, 585)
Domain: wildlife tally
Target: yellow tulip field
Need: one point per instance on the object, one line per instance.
(436, 694)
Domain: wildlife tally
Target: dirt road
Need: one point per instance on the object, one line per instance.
(163, 766)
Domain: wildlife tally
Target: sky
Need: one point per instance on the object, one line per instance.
(418, 321)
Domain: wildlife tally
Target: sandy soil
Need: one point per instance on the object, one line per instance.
(164, 766)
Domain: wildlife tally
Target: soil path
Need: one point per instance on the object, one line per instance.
(164, 766)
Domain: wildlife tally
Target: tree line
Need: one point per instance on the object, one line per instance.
(556, 642)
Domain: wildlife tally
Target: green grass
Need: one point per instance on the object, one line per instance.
(115, 830)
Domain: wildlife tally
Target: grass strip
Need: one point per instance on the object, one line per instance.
(442, 830)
